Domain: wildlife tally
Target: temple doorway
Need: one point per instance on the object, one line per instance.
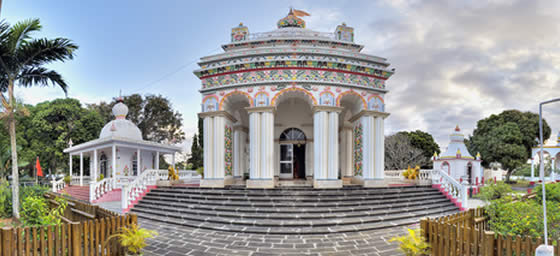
(292, 154)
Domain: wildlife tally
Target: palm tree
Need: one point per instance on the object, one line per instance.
(22, 61)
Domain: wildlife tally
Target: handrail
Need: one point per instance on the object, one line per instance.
(424, 176)
(58, 185)
(455, 190)
(132, 191)
(99, 188)
(75, 180)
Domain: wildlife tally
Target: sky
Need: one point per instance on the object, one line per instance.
(456, 61)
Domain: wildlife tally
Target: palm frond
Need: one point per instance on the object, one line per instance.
(42, 51)
(21, 31)
(41, 76)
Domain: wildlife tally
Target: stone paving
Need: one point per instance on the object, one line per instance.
(179, 240)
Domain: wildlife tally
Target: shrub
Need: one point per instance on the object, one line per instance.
(494, 191)
(200, 171)
(133, 238)
(552, 192)
(67, 179)
(523, 218)
(36, 212)
(5, 199)
(412, 244)
(101, 177)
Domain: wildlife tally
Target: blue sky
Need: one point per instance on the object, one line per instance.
(456, 62)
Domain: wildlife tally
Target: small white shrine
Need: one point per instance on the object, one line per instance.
(120, 151)
(457, 162)
(550, 152)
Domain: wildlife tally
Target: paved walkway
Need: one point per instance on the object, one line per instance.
(178, 240)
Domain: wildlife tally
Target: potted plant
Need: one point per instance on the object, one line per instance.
(67, 179)
(133, 239)
(412, 244)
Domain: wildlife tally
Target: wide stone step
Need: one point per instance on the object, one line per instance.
(352, 203)
(293, 192)
(303, 215)
(296, 229)
(290, 198)
(298, 208)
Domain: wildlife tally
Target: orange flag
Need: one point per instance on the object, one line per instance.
(300, 13)
(38, 166)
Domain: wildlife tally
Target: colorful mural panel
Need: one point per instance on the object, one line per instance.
(228, 144)
(358, 150)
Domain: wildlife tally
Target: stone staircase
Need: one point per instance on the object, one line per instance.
(294, 210)
(78, 192)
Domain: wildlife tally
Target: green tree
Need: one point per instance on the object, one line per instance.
(54, 123)
(423, 141)
(153, 114)
(197, 148)
(22, 63)
(507, 138)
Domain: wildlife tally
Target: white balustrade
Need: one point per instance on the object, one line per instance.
(58, 185)
(394, 174)
(99, 188)
(424, 176)
(75, 180)
(456, 191)
(132, 191)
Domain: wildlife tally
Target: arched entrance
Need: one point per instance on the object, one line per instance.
(469, 172)
(292, 154)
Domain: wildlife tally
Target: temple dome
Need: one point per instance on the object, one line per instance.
(291, 21)
(121, 127)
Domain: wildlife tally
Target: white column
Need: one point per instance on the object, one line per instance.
(349, 153)
(114, 161)
(333, 146)
(236, 152)
(138, 162)
(532, 169)
(219, 144)
(242, 156)
(254, 148)
(379, 149)
(157, 160)
(368, 128)
(268, 145)
(552, 167)
(81, 168)
(208, 147)
(94, 179)
(319, 161)
(70, 165)
(173, 160)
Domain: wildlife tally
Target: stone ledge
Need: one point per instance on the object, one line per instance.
(327, 183)
(269, 183)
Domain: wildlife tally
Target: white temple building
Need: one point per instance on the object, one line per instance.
(120, 152)
(457, 162)
(551, 152)
(293, 103)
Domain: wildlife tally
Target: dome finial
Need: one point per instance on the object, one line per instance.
(120, 110)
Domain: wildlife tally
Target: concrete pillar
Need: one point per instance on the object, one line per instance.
(261, 132)
(379, 169)
(94, 178)
(81, 168)
(373, 147)
(70, 165)
(532, 169)
(114, 161)
(214, 125)
(157, 161)
(325, 132)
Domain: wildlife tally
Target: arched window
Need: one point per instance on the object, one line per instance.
(135, 165)
(445, 167)
(103, 165)
(292, 134)
(470, 172)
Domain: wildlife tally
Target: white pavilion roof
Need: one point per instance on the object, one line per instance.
(456, 145)
(121, 132)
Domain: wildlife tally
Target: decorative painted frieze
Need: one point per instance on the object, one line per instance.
(358, 149)
(284, 75)
(228, 145)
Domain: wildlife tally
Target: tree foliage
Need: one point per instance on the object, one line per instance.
(507, 138)
(197, 148)
(153, 114)
(23, 61)
(400, 153)
(423, 141)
